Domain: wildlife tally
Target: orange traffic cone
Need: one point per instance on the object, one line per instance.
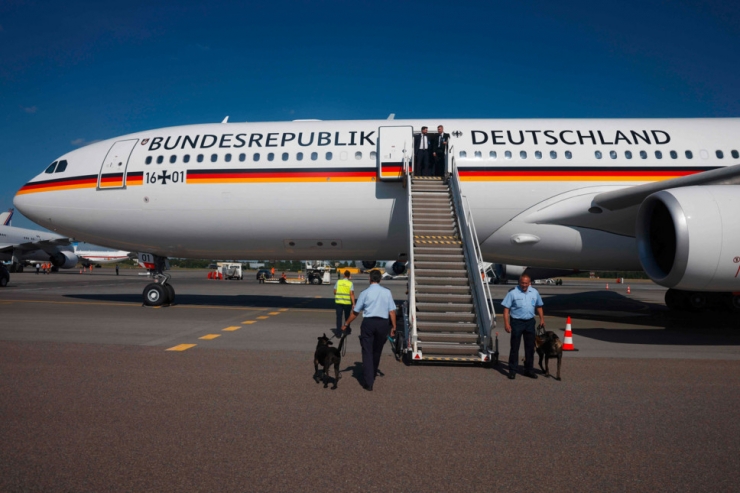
(628, 290)
(607, 286)
(568, 342)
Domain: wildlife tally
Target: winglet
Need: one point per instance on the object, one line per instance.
(392, 116)
(226, 120)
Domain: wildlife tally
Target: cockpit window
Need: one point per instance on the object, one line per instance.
(51, 167)
(61, 166)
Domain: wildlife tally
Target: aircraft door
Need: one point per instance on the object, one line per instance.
(113, 169)
(395, 152)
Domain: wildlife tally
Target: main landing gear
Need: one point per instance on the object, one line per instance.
(675, 299)
(160, 292)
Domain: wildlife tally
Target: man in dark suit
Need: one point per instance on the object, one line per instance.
(439, 150)
(422, 154)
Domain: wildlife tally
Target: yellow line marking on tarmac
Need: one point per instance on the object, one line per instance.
(249, 322)
(208, 337)
(283, 310)
(274, 313)
(232, 328)
(263, 317)
(318, 297)
(138, 305)
(181, 347)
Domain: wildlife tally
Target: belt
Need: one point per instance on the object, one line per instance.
(522, 319)
(374, 318)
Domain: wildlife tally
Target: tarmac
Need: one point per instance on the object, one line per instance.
(216, 393)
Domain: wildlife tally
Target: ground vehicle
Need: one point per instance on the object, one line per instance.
(318, 272)
(265, 272)
(230, 270)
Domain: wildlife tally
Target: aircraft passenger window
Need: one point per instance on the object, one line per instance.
(523, 154)
(270, 156)
(689, 155)
(553, 155)
(507, 154)
(299, 156)
(242, 157)
(492, 155)
(329, 155)
(214, 157)
(463, 153)
(597, 154)
(674, 155)
(658, 154)
(358, 155)
(568, 154)
(720, 155)
(148, 160)
(256, 157)
(160, 159)
(613, 154)
(478, 154)
(61, 166)
(186, 158)
(200, 158)
(51, 167)
(643, 154)
(227, 158)
(735, 155)
(373, 154)
(537, 155)
(628, 154)
(285, 156)
(314, 156)
(173, 158)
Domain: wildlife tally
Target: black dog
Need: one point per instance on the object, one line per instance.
(327, 356)
(548, 345)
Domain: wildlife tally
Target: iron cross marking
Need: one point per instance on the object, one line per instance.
(164, 177)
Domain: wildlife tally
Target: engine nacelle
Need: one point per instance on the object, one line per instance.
(689, 238)
(507, 272)
(63, 259)
(369, 264)
(396, 268)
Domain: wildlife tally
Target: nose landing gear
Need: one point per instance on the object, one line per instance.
(160, 292)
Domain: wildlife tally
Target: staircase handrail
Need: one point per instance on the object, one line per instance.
(473, 257)
(412, 275)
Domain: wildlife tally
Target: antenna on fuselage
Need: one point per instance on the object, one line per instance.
(226, 120)
(392, 116)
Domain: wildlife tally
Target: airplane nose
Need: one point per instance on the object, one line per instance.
(33, 205)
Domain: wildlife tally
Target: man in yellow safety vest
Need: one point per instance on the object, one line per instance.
(344, 299)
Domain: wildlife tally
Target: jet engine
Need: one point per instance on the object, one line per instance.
(396, 268)
(63, 259)
(369, 264)
(688, 238)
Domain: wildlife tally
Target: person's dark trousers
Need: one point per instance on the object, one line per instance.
(342, 310)
(422, 166)
(439, 165)
(373, 334)
(519, 329)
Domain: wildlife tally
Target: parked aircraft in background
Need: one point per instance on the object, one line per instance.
(21, 245)
(656, 194)
(93, 257)
(6, 218)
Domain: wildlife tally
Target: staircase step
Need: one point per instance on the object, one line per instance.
(439, 265)
(425, 257)
(438, 250)
(443, 298)
(440, 281)
(459, 338)
(449, 348)
(447, 327)
(463, 308)
(432, 289)
(434, 222)
(444, 317)
(441, 273)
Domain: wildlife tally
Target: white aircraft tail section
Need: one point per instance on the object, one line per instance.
(6, 217)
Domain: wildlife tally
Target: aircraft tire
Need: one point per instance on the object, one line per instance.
(170, 293)
(675, 299)
(732, 301)
(3, 280)
(698, 300)
(155, 294)
(316, 280)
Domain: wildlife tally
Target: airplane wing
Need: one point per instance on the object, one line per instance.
(632, 196)
(615, 211)
(45, 245)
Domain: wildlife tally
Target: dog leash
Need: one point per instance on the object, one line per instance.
(344, 347)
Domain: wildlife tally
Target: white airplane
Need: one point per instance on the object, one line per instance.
(390, 267)
(585, 194)
(90, 257)
(21, 245)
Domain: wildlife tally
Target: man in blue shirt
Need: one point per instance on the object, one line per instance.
(519, 306)
(377, 306)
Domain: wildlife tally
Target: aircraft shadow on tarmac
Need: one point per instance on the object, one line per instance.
(245, 300)
(679, 327)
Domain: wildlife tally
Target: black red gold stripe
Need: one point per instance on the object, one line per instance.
(135, 178)
(76, 182)
(577, 173)
(280, 175)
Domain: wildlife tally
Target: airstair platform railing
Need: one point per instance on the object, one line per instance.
(473, 257)
(411, 336)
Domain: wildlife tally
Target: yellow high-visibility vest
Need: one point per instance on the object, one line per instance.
(344, 287)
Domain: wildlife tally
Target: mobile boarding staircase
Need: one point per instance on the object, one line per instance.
(449, 315)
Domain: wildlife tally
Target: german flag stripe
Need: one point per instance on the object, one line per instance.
(76, 182)
(576, 173)
(135, 178)
(280, 175)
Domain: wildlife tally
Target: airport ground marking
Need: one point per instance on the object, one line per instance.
(283, 310)
(209, 337)
(263, 317)
(231, 329)
(274, 313)
(181, 347)
(249, 322)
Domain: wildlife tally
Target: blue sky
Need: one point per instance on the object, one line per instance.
(75, 72)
